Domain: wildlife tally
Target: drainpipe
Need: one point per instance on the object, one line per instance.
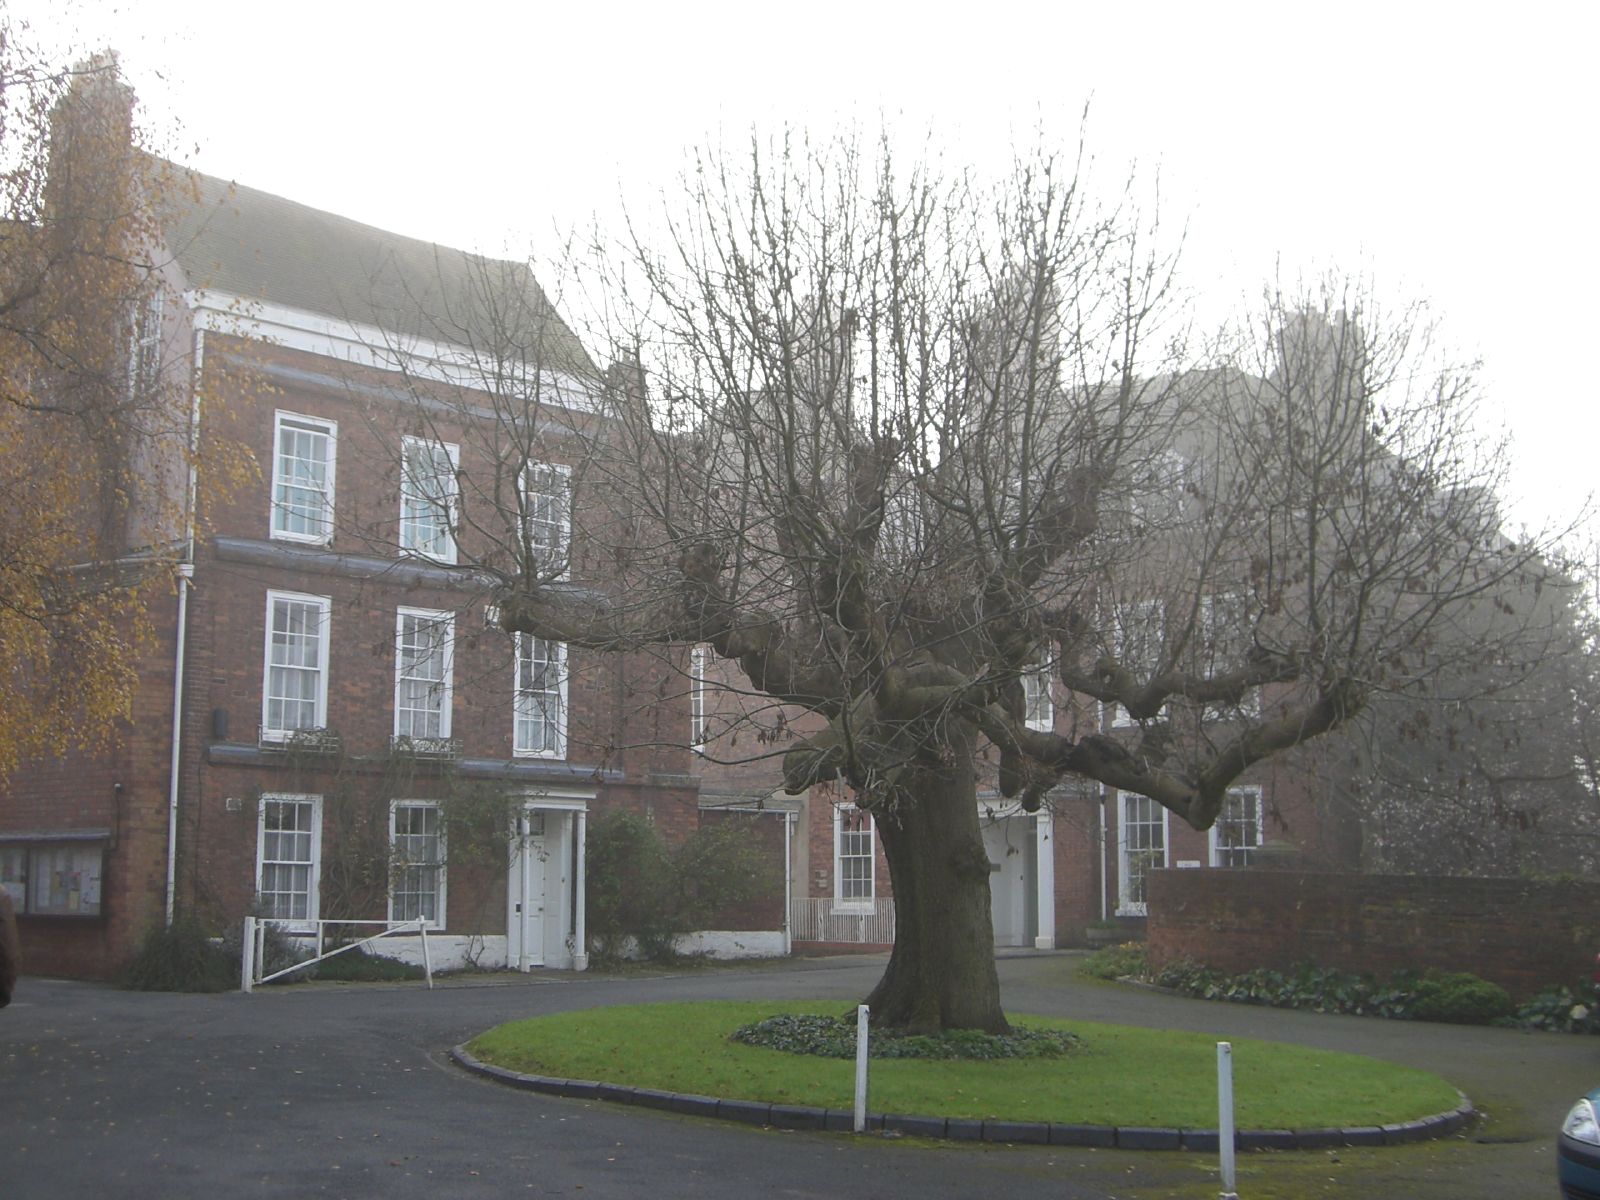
(185, 575)
(580, 955)
(788, 878)
(185, 581)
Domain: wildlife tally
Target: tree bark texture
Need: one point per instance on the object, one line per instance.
(941, 974)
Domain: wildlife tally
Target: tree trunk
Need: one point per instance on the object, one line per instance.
(941, 974)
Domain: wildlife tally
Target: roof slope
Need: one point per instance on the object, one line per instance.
(253, 244)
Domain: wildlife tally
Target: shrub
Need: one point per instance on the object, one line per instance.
(835, 1037)
(181, 957)
(1460, 999)
(1559, 1010)
(643, 895)
(628, 874)
(357, 966)
(1117, 962)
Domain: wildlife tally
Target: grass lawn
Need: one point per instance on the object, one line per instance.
(1120, 1075)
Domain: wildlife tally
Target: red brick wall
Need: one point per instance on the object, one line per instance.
(80, 792)
(1520, 934)
(817, 829)
(1075, 849)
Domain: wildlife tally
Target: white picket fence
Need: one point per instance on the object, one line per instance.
(814, 919)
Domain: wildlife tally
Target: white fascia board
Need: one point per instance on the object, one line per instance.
(360, 344)
(557, 799)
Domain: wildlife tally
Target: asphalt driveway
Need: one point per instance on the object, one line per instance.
(345, 1091)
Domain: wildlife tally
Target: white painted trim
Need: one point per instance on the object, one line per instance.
(733, 943)
(1211, 834)
(331, 429)
(1125, 906)
(441, 921)
(860, 904)
(563, 471)
(452, 504)
(1148, 614)
(432, 616)
(1044, 937)
(314, 896)
(697, 696)
(563, 680)
(364, 345)
(1043, 680)
(325, 647)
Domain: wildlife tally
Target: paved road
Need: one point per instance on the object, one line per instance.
(345, 1092)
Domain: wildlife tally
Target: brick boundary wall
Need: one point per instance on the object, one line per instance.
(1523, 935)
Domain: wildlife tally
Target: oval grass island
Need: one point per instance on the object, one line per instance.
(1122, 1086)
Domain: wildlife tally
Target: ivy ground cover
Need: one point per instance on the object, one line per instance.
(1116, 1075)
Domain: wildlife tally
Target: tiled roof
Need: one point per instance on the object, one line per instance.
(263, 247)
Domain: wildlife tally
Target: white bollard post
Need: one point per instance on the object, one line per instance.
(247, 956)
(427, 961)
(1225, 1118)
(861, 1068)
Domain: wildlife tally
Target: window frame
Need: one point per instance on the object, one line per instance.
(145, 343)
(841, 902)
(518, 749)
(270, 732)
(1127, 905)
(438, 618)
(1213, 607)
(1247, 851)
(329, 430)
(1149, 612)
(309, 922)
(398, 865)
(698, 656)
(448, 509)
(561, 553)
(20, 882)
(1038, 693)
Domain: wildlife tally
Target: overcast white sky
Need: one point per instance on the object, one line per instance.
(1448, 151)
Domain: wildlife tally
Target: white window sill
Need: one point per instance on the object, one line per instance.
(1132, 910)
(301, 539)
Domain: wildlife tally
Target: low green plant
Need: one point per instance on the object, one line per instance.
(1459, 999)
(1117, 962)
(181, 957)
(643, 894)
(835, 1037)
(357, 966)
(1559, 1010)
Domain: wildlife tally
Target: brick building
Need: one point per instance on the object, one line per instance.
(329, 724)
(1078, 862)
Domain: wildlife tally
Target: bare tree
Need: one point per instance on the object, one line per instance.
(888, 443)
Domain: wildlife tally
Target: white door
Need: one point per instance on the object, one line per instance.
(527, 893)
(1005, 841)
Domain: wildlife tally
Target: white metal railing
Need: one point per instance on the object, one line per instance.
(255, 940)
(823, 919)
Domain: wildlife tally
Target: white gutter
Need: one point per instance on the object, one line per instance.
(185, 581)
